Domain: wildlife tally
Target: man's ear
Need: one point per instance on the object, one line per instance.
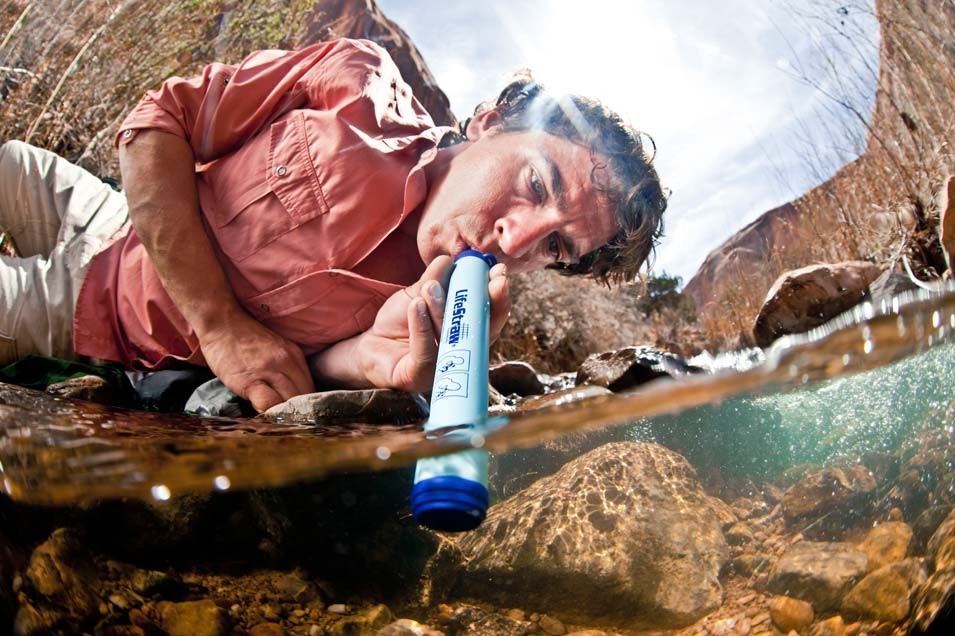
(481, 124)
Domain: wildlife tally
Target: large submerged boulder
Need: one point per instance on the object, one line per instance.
(623, 535)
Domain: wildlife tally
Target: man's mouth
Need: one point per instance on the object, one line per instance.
(459, 246)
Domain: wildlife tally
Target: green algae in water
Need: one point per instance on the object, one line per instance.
(843, 418)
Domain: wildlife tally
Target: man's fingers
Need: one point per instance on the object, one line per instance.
(436, 301)
(439, 269)
(300, 376)
(500, 295)
(422, 348)
(262, 396)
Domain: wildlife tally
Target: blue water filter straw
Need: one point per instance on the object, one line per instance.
(450, 491)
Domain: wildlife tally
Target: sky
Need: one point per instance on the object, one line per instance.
(740, 96)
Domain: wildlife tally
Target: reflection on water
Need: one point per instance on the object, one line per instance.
(51, 451)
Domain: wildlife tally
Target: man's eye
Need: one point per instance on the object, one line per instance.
(553, 246)
(537, 185)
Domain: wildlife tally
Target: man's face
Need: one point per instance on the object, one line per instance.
(525, 197)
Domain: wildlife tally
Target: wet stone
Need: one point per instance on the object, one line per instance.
(551, 626)
(935, 603)
(469, 620)
(193, 618)
(569, 545)
(834, 626)
(790, 614)
(804, 298)
(820, 573)
(738, 534)
(91, 388)
(631, 366)
(372, 406)
(723, 512)
(886, 543)
(61, 581)
(365, 623)
(925, 526)
(267, 629)
(885, 594)
(407, 627)
(749, 564)
(836, 492)
(515, 377)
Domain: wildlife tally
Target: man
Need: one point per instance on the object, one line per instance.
(304, 204)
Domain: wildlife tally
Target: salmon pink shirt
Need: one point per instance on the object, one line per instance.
(305, 162)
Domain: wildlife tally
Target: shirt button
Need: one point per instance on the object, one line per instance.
(281, 171)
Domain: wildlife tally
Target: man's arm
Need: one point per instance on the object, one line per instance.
(159, 180)
(400, 349)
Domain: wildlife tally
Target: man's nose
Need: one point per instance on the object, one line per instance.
(517, 235)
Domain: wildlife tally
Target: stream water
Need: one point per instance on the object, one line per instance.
(863, 382)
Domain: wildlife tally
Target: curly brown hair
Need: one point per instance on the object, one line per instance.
(632, 186)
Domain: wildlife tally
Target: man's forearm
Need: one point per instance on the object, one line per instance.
(160, 184)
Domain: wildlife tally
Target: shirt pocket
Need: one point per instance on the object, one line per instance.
(318, 309)
(264, 190)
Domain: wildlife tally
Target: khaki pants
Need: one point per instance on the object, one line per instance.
(59, 216)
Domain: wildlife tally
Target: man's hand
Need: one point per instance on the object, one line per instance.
(400, 349)
(255, 362)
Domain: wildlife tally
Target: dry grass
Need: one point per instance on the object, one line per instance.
(70, 70)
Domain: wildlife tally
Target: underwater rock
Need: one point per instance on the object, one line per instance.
(935, 602)
(62, 580)
(884, 594)
(926, 476)
(193, 618)
(515, 470)
(886, 543)
(807, 297)
(365, 623)
(631, 366)
(515, 377)
(790, 614)
(469, 620)
(749, 564)
(834, 626)
(817, 572)
(727, 517)
(622, 535)
(372, 406)
(925, 526)
(407, 627)
(839, 494)
(738, 534)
